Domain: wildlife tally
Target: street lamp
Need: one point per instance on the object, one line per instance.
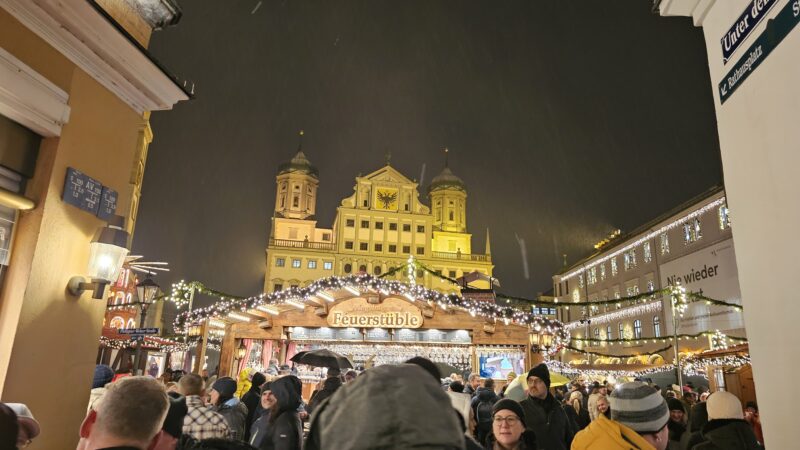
(107, 253)
(146, 291)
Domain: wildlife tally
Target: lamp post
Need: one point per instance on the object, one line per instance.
(146, 291)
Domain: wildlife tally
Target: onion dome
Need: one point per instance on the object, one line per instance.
(299, 163)
(446, 179)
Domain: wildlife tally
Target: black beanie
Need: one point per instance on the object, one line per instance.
(542, 373)
(173, 423)
(675, 405)
(226, 386)
(512, 406)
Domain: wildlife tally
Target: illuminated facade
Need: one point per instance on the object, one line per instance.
(375, 229)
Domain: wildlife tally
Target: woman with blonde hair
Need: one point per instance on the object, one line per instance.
(581, 416)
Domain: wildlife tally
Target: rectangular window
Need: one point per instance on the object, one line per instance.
(392, 248)
(406, 249)
(630, 259)
(365, 224)
(312, 263)
(691, 231)
(664, 243)
(280, 262)
(608, 332)
(651, 286)
(278, 287)
(420, 228)
(614, 267)
(724, 217)
(452, 274)
(392, 226)
(637, 329)
(420, 250)
(621, 329)
(327, 265)
(648, 253)
(378, 247)
(363, 246)
(350, 223)
(602, 271)
(296, 263)
(406, 227)
(580, 280)
(592, 277)
(326, 236)
(657, 326)
(378, 225)
(632, 290)
(348, 245)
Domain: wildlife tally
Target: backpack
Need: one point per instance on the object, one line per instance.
(484, 418)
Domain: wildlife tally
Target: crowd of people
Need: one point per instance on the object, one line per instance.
(393, 406)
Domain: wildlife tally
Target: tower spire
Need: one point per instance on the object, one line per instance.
(300, 140)
(488, 243)
(446, 151)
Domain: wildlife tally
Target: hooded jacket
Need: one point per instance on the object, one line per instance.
(235, 414)
(252, 399)
(328, 388)
(389, 406)
(284, 431)
(548, 420)
(526, 442)
(728, 434)
(606, 434)
(693, 435)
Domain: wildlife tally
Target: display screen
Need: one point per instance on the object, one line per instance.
(498, 367)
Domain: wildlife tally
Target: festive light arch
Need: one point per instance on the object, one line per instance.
(363, 283)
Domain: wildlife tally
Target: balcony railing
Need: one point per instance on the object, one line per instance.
(462, 256)
(311, 245)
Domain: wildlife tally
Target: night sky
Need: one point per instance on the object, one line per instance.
(566, 120)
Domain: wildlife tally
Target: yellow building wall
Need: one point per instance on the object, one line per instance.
(48, 339)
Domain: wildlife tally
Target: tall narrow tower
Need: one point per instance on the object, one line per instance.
(448, 200)
(297, 182)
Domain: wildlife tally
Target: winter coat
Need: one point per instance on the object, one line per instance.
(328, 388)
(252, 400)
(580, 420)
(547, 419)
(526, 442)
(462, 403)
(235, 414)
(389, 406)
(728, 434)
(606, 434)
(284, 430)
(468, 390)
(259, 429)
(483, 418)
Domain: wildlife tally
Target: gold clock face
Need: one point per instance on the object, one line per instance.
(386, 199)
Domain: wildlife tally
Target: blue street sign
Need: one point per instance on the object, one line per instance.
(747, 21)
(108, 204)
(777, 29)
(82, 191)
(137, 337)
(137, 330)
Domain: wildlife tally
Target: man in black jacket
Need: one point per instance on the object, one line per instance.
(544, 415)
(251, 399)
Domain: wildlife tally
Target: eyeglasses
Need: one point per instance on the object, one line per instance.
(510, 420)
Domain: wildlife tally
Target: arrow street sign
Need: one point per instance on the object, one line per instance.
(777, 29)
(137, 337)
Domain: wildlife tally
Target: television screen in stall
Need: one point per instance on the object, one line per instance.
(498, 367)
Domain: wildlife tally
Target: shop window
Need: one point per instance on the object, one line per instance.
(280, 262)
(348, 268)
(364, 246)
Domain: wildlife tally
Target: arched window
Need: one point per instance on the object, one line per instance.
(657, 326)
(348, 268)
(117, 322)
(376, 270)
(621, 331)
(637, 329)
(132, 324)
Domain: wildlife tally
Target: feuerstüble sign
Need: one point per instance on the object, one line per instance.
(390, 313)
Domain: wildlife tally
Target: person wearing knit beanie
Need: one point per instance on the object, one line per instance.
(508, 427)
(544, 415)
(726, 427)
(639, 420)
(677, 419)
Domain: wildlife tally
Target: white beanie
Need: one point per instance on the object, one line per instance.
(724, 405)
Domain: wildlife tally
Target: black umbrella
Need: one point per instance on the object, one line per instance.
(322, 358)
(446, 369)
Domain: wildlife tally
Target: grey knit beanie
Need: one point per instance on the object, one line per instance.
(639, 407)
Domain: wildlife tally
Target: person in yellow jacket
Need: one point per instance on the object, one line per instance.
(639, 417)
(244, 382)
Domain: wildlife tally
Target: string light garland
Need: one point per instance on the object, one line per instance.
(674, 224)
(364, 283)
(572, 371)
(713, 334)
(639, 310)
(609, 355)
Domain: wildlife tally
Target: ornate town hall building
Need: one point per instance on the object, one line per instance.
(375, 230)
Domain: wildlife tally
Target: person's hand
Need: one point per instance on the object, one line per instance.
(303, 415)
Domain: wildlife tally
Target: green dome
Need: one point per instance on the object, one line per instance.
(298, 164)
(446, 180)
